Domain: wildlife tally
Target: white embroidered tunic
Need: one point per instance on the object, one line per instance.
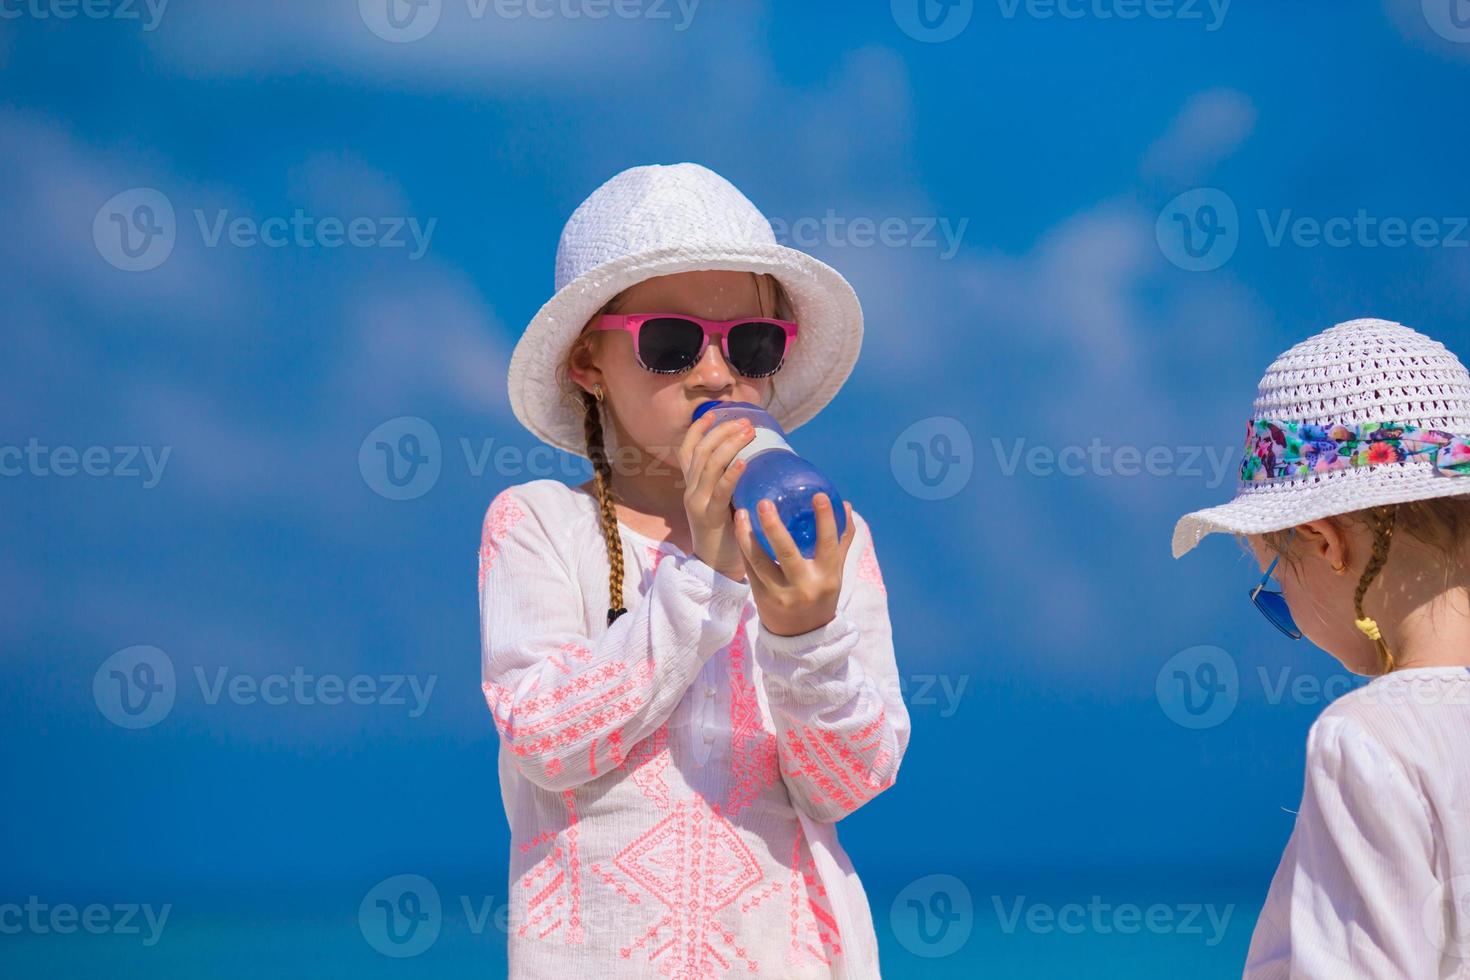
(672, 781)
(1375, 881)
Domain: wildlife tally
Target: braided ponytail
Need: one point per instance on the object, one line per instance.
(602, 474)
(1383, 520)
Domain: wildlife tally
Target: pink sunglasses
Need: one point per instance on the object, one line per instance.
(672, 343)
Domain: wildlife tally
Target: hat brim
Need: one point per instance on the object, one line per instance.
(827, 309)
(1259, 508)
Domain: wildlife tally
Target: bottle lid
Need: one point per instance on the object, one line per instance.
(722, 404)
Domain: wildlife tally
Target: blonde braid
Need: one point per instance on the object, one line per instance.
(602, 473)
(1383, 520)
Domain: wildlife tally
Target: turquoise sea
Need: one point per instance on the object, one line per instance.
(1087, 928)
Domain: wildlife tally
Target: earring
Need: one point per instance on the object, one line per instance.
(597, 391)
(1339, 569)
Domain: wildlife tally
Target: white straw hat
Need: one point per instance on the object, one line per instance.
(655, 221)
(1362, 371)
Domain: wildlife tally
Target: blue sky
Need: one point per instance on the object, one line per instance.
(1058, 312)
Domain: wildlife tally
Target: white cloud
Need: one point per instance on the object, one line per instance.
(470, 47)
(1211, 126)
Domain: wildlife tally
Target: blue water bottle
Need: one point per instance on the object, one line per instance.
(774, 472)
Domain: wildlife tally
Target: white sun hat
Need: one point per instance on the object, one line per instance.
(1361, 371)
(655, 221)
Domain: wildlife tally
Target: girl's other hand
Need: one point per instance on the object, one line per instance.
(800, 594)
(709, 482)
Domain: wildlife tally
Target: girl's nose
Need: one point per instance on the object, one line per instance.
(712, 370)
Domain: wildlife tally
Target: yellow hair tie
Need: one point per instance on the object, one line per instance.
(1369, 627)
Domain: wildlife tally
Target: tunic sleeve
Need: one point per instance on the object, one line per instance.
(840, 719)
(1349, 897)
(567, 705)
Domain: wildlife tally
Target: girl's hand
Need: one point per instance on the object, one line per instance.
(709, 482)
(800, 594)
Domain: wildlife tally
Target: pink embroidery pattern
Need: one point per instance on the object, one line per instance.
(753, 762)
(519, 724)
(806, 746)
(559, 899)
(812, 919)
(504, 514)
(694, 863)
(646, 764)
(814, 936)
(868, 567)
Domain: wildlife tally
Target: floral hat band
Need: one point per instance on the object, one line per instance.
(1279, 450)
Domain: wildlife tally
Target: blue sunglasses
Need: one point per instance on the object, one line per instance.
(1272, 603)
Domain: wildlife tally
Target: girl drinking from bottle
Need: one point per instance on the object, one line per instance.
(682, 719)
(1354, 494)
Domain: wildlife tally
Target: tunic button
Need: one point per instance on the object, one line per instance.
(710, 693)
(709, 738)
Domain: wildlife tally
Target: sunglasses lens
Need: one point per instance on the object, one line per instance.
(669, 344)
(757, 348)
(1274, 606)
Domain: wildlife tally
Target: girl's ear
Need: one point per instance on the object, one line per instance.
(1326, 540)
(581, 363)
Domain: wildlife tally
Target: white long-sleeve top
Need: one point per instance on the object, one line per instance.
(1375, 881)
(672, 781)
